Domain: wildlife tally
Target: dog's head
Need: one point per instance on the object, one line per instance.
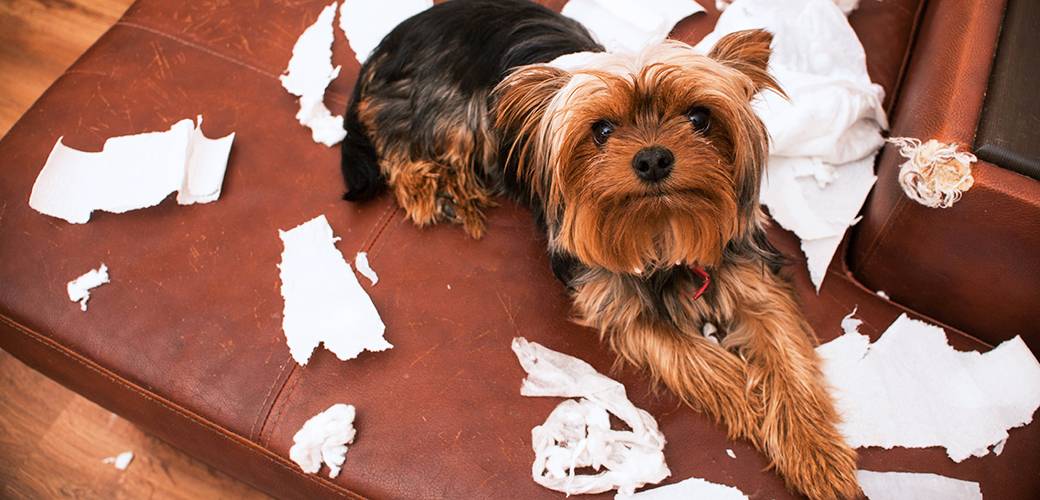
(645, 160)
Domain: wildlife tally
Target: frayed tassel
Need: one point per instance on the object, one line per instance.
(936, 173)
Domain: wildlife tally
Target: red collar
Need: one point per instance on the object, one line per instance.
(699, 271)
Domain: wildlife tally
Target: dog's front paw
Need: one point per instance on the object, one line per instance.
(468, 215)
(821, 469)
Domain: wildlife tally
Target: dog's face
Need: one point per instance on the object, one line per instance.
(643, 161)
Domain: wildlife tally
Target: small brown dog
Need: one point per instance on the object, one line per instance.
(644, 171)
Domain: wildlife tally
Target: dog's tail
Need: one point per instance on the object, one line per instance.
(360, 161)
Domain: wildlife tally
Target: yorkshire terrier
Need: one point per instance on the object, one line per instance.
(644, 172)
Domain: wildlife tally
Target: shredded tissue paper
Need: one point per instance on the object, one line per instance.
(623, 25)
(911, 389)
(132, 172)
(324, 301)
(365, 22)
(309, 73)
(824, 138)
(577, 433)
(79, 288)
(324, 439)
(915, 486)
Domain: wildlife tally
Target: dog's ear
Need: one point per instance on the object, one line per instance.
(520, 101)
(520, 112)
(748, 52)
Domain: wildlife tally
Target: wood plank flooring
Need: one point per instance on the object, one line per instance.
(53, 443)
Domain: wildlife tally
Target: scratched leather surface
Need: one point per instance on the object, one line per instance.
(186, 341)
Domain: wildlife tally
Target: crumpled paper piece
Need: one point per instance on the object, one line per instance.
(625, 25)
(79, 288)
(308, 75)
(911, 389)
(132, 172)
(121, 461)
(366, 23)
(824, 139)
(935, 174)
(916, 486)
(578, 434)
(324, 302)
(688, 489)
(324, 438)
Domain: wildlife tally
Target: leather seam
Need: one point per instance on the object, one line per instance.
(387, 234)
(273, 416)
(254, 434)
(886, 227)
(380, 225)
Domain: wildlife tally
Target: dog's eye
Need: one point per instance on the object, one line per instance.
(700, 118)
(601, 131)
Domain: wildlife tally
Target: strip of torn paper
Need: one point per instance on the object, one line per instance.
(132, 172)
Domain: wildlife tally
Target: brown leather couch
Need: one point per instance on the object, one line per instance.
(186, 341)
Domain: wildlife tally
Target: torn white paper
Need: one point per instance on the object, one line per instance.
(132, 172)
(79, 288)
(309, 73)
(324, 438)
(121, 461)
(692, 488)
(577, 433)
(625, 25)
(824, 138)
(366, 23)
(916, 486)
(911, 389)
(361, 263)
(846, 6)
(323, 300)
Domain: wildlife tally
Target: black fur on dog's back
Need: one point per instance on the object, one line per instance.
(437, 64)
(359, 160)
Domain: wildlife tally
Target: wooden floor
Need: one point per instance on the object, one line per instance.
(53, 443)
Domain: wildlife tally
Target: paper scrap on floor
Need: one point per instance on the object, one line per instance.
(692, 488)
(79, 288)
(132, 172)
(911, 389)
(324, 439)
(825, 137)
(577, 433)
(308, 75)
(324, 302)
(916, 486)
(623, 25)
(366, 23)
(121, 461)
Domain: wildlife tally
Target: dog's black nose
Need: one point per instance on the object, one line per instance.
(653, 163)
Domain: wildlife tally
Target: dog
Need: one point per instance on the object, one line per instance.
(644, 172)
